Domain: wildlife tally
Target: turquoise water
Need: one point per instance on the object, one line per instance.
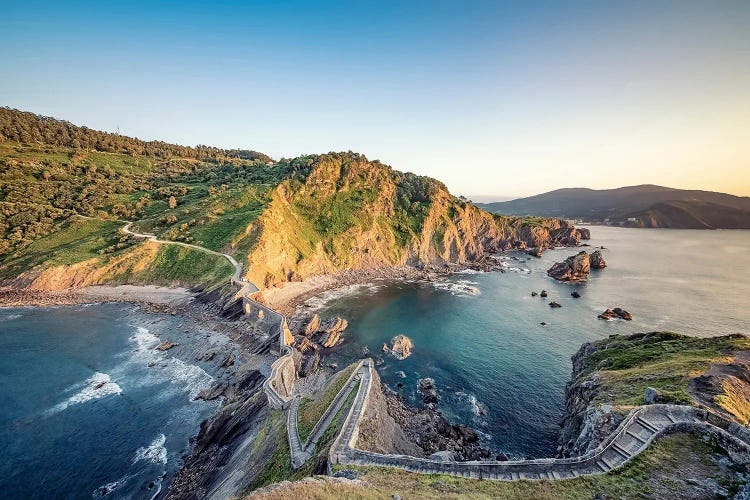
(87, 405)
(497, 368)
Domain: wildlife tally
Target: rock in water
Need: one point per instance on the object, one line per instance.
(533, 294)
(617, 312)
(166, 345)
(574, 269)
(575, 295)
(554, 305)
(384, 348)
(333, 330)
(401, 346)
(608, 314)
(597, 261)
(543, 294)
(622, 313)
(313, 326)
(428, 391)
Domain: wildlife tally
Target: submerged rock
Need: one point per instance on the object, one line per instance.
(534, 294)
(597, 261)
(574, 269)
(554, 305)
(401, 346)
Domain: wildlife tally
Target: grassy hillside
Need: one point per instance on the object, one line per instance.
(284, 220)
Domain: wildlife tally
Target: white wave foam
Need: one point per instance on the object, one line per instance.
(10, 317)
(162, 367)
(478, 408)
(460, 287)
(98, 386)
(155, 452)
(319, 301)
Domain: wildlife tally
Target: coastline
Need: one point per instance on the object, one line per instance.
(143, 294)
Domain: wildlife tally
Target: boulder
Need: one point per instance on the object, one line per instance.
(554, 305)
(543, 294)
(574, 269)
(652, 396)
(575, 295)
(401, 346)
(336, 325)
(332, 339)
(597, 261)
(534, 294)
(384, 348)
(584, 233)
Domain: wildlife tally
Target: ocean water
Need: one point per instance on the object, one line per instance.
(479, 334)
(88, 407)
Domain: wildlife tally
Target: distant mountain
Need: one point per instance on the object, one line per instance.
(646, 205)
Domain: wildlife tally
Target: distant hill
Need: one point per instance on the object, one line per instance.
(646, 205)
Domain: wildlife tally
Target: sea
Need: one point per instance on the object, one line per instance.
(89, 408)
(497, 367)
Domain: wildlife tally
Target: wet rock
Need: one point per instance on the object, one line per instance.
(622, 314)
(384, 348)
(213, 392)
(543, 323)
(365, 352)
(554, 305)
(597, 261)
(534, 294)
(543, 294)
(575, 295)
(166, 345)
(608, 314)
(535, 251)
(574, 269)
(313, 326)
(428, 391)
(228, 361)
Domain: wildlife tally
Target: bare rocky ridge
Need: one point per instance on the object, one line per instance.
(391, 426)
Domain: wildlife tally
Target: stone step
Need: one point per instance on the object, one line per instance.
(635, 436)
(602, 466)
(647, 425)
(619, 449)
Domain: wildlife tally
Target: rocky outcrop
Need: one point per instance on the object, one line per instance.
(597, 261)
(401, 346)
(313, 326)
(585, 423)
(428, 392)
(617, 312)
(535, 251)
(574, 269)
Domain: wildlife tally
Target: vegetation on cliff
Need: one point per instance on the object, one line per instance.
(286, 220)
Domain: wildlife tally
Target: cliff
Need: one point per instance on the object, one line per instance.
(351, 213)
(613, 375)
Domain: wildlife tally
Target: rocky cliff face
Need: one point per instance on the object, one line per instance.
(586, 423)
(574, 269)
(351, 213)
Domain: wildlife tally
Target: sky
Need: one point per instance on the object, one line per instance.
(496, 99)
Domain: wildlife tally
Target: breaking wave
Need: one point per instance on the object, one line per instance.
(98, 386)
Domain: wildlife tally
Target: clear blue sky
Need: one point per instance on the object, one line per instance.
(493, 98)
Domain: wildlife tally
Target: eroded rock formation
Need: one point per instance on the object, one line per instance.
(574, 269)
(597, 261)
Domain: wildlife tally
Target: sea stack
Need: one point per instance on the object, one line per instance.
(597, 261)
(574, 269)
